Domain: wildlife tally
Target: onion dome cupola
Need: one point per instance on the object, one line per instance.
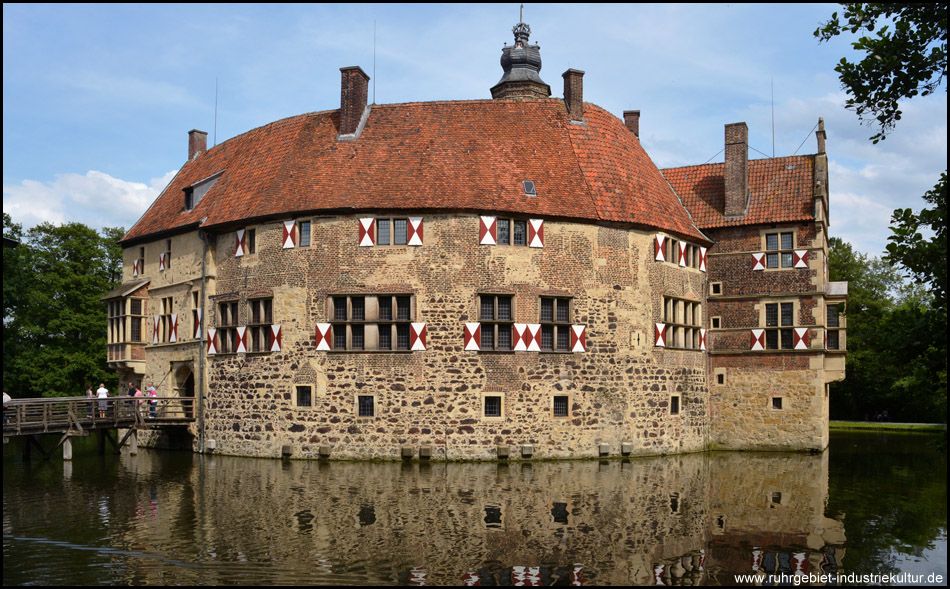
(521, 64)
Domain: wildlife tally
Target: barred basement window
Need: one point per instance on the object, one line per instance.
(778, 247)
(779, 338)
(684, 319)
(561, 405)
(555, 324)
(492, 406)
(366, 406)
(260, 313)
(776, 402)
(227, 327)
(304, 395)
(497, 321)
(372, 322)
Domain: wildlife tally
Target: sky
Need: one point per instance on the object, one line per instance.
(98, 99)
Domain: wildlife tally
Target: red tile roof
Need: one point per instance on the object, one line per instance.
(781, 190)
(467, 155)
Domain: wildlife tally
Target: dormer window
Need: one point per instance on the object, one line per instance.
(195, 192)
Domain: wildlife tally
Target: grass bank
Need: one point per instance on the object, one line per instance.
(883, 425)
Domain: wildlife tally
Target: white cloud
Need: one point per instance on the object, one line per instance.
(95, 199)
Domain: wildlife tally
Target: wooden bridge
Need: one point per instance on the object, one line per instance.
(77, 416)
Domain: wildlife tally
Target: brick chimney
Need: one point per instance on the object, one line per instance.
(574, 94)
(631, 118)
(737, 170)
(197, 143)
(353, 94)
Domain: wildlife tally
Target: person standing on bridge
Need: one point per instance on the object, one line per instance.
(153, 401)
(89, 396)
(6, 401)
(103, 393)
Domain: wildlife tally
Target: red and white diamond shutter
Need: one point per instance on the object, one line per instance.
(155, 330)
(324, 336)
(702, 259)
(290, 234)
(536, 232)
(173, 332)
(367, 232)
(802, 338)
(800, 258)
(197, 324)
(135, 268)
(241, 340)
(658, 254)
(521, 337)
(417, 336)
(533, 333)
(473, 336)
(660, 333)
(238, 243)
(161, 262)
(212, 347)
(275, 338)
(415, 231)
(702, 339)
(682, 249)
(487, 231)
(758, 261)
(758, 340)
(578, 338)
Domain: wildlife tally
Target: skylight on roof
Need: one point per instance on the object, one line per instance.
(529, 189)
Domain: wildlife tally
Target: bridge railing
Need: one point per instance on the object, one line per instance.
(76, 413)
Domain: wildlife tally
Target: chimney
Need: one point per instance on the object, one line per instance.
(197, 143)
(631, 118)
(821, 135)
(737, 170)
(353, 94)
(574, 94)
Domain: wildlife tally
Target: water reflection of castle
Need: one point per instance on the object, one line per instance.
(683, 520)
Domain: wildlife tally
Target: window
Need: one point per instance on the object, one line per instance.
(227, 327)
(372, 322)
(715, 288)
(720, 379)
(776, 402)
(304, 395)
(833, 334)
(497, 321)
(304, 229)
(365, 406)
(716, 322)
(675, 405)
(168, 254)
(165, 324)
(555, 324)
(561, 405)
(189, 198)
(779, 318)
(683, 319)
(778, 247)
(492, 406)
(392, 231)
(529, 189)
(512, 231)
(141, 260)
(195, 310)
(250, 239)
(261, 316)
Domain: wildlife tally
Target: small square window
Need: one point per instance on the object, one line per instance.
(366, 406)
(716, 322)
(776, 402)
(715, 288)
(492, 406)
(304, 396)
(561, 405)
(720, 379)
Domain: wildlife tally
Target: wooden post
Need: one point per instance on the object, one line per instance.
(68, 448)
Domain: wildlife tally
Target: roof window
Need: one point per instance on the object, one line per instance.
(195, 192)
(529, 189)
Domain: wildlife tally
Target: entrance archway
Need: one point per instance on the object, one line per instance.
(185, 388)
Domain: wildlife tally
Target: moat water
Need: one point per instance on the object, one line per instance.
(871, 508)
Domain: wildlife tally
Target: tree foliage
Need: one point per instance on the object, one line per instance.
(54, 325)
(905, 55)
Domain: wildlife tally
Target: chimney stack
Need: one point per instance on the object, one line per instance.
(574, 94)
(821, 135)
(737, 170)
(353, 94)
(631, 118)
(197, 143)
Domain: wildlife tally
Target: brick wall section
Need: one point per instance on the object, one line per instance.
(619, 390)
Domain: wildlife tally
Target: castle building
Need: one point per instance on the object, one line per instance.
(482, 279)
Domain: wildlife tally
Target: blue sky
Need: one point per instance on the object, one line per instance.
(98, 100)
